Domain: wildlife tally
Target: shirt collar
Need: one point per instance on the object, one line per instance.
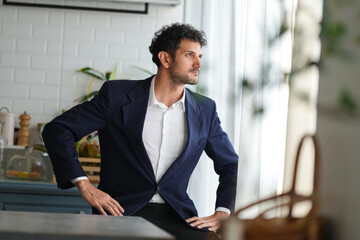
(153, 101)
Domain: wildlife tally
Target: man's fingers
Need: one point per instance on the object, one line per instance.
(117, 205)
(113, 207)
(101, 210)
(192, 219)
(207, 225)
(211, 222)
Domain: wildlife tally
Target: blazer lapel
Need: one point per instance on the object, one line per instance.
(134, 117)
(195, 125)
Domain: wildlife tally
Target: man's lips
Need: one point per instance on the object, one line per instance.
(196, 71)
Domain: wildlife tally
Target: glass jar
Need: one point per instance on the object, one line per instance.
(26, 167)
(3, 143)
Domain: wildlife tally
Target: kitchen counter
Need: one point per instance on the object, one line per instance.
(55, 226)
(40, 197)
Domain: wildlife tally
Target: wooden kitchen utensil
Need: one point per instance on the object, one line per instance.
(24, 133)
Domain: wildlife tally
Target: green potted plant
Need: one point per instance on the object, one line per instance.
(94, 74)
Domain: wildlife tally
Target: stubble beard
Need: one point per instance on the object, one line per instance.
(183, 78)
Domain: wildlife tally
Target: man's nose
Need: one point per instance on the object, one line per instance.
(197, 62)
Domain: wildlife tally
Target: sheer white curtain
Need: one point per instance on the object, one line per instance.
(242, 71)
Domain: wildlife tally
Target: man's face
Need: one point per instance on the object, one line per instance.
(185, 66)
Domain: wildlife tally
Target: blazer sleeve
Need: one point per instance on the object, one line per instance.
(60, 134)
(221, 151)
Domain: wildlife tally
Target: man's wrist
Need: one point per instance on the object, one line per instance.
(223, 209)
(75, 180)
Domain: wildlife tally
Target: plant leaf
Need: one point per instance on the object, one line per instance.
(93, 72)
(143, 70)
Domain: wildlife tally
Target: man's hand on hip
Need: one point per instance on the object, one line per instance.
(211, 222)
(99, 199)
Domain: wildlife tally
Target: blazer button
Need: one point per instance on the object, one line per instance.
(158, 188)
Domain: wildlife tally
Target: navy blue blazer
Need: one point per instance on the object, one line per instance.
(118, 113)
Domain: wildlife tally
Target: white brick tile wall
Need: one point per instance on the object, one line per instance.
(30, 106)
(29, 76)
(138, 38)
(31, 46)
(68, 78)
(83, 82)
(71, 93)
(95, 20)
(14, 90)
(70, 49)
(109, 36)
(93, 50)
(56, 17)
(7, 44)
(8, 14)
(16, 30)
(72, 19)
(125, 23)
(52, 77)
(15, 60)
(35, 16)
(75, 63)
(78, 34)
(54, 47)
(66, 104)
(46, 62)
(51, 108)
(152, 11)
(48, 32)
(124, 52)
(148, 25)
(103, 64)
(6, 74)
(44, 92)
(6, 102)
(163, 21)
(40, 50)
(145, 55)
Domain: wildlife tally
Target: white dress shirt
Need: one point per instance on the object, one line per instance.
(164, 135)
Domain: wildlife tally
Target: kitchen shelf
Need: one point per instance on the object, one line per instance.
(41, 197)
(92, 168)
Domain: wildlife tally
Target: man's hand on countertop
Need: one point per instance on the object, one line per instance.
(99, 199)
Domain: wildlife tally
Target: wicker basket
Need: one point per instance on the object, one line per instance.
(282, 227)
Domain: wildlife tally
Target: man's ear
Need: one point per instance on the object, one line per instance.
(164, 58)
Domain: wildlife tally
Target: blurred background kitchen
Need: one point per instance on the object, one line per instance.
(278, 69)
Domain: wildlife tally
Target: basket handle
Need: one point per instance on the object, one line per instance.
(292, 192)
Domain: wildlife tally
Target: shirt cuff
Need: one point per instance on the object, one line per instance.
(222, 209)
(73, 181)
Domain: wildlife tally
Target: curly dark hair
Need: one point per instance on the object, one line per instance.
(169, 37)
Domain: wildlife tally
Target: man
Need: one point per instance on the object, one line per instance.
(152, 133)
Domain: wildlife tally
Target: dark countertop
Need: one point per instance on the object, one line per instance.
(59, 226)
